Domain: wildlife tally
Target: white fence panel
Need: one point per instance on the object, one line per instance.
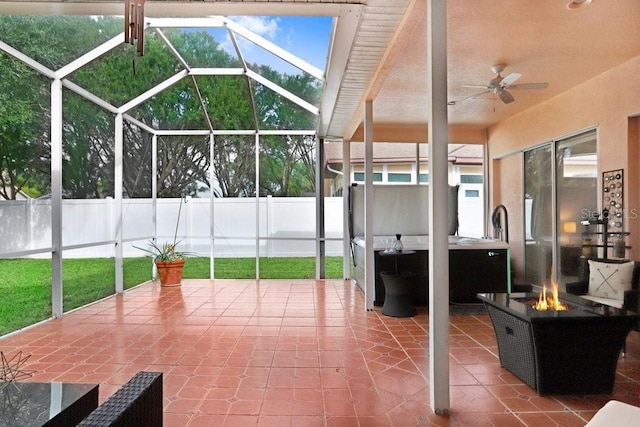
(25, 225)
(290, 222)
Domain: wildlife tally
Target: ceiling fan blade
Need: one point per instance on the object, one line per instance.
(475, 95)
(505, 96)
(476, 86)
(510, 78)
(529, 86)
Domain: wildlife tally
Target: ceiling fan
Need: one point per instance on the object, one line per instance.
(499, 85)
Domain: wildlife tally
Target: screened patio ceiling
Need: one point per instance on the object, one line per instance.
(378, 52)
(183, 79)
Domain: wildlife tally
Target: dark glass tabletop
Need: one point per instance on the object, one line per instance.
(50, 404)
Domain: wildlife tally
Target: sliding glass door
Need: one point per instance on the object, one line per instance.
(576, 190)
(560, 187)
(538, 201)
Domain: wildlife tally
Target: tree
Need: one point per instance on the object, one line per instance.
(234, 167)
(22, 131)
(25, 96)
(287, 162)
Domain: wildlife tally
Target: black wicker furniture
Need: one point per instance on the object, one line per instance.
(137, 403)
(559, 352)
(398, 288)
(630, 299)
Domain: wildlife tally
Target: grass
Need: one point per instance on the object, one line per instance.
(25, 284)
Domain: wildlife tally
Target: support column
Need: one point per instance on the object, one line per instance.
(117, 181)
(154, 196)
(439, 207)
(212, 240)
(320, 230)
(369, 268)
(417, 163)
(257, 154)
(56, 198)
(346, 209)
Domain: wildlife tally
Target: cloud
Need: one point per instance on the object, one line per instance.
(265, 26)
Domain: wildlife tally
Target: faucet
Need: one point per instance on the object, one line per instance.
(497, 226)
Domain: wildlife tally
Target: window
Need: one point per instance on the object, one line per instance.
(359, 177)
(424, 177)
(471, 179)
(399, 177)
(471, 193)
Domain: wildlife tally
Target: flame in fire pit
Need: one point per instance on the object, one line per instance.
(549, 302)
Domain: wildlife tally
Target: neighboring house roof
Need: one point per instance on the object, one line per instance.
(392, 152)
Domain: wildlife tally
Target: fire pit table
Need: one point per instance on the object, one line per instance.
(559, 352)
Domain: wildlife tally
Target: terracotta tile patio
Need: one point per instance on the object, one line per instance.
(294, 353)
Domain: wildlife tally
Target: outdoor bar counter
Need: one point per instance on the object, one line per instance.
(475, 265)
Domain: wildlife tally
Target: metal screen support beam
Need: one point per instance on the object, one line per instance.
(320, 229)
(369, 268)
(154, 196)
(417, 163)
(117, 181)
(346, 209)
(257, 205)
(212, 228)
(438, 206)
(56, 198)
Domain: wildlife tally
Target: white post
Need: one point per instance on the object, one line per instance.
(257, 151)
(320, 226)
(154, 196)
(56, 198)
(439, 206)
(117, 181)
(29, 206)
(269, 222)
(346, 184)
(212, 228)
(369, 259)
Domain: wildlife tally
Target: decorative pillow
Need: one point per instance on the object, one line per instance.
(610, 280)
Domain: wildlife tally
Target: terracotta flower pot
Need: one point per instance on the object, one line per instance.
(170, 272)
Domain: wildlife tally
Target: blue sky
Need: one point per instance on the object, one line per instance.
(305, 37)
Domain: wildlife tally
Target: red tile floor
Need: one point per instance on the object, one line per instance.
(294, 353)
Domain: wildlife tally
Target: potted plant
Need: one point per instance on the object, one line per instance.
(169, 262)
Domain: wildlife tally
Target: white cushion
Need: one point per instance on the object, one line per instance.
(606, 301)
(609, 280)
(616, 414)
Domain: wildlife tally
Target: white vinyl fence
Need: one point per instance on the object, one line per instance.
(286, 226)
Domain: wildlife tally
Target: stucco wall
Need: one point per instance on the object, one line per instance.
(607, 103)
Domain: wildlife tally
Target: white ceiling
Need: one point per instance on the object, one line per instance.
(379, 51)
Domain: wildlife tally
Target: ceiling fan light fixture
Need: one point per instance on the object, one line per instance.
(577, 4)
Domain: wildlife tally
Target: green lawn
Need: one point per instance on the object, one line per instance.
(25, 284)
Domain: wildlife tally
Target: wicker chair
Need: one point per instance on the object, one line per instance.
(137, 403)
(631, 299)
